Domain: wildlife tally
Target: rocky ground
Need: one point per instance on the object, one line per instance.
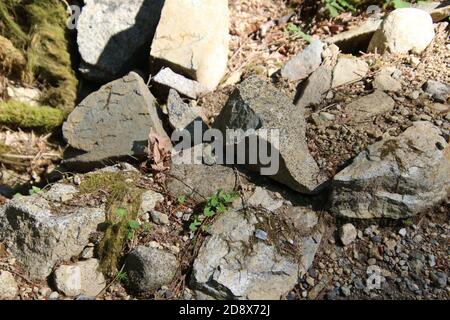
(358, 210)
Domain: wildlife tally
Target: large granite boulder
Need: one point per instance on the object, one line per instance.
(192, 38)
(112, 123)
(257, 105)
(41, 230)
(237, 262)
(113, 34)
(396, 177)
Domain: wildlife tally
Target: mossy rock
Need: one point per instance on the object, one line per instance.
(122, 210)
(12, 61)
(38, 30)
(21, 115)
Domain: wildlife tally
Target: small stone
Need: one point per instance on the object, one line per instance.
(87, 253)
(189, 88)
(159, 218)
(53, 296)
(385, 82)
(149, 199)
(327, 116)
(82, 278)
(150, 268)
(261, 235)
(262, 198)
(372, 261)
(348, 234)
(314, 89)
(182, 116)
(45, 292)
(432, 260)
(437, 90)
(440, 279)
(304, 63)
(346, 291)
(8, 286)
(402, 232)
(348, 70)
(310, 281)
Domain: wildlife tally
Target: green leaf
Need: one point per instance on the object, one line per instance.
(194, 225)
(34, 190)
(181, 200)
(399, 4)
(17, 195)
(133, 224)
(332, 10)
(121, 212)
(208, 212)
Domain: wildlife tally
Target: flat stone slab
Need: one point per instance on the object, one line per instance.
(112, 123)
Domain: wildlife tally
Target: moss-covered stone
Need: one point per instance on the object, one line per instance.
(38, 29)
(20, 115)
(122, 207)
(12, 61)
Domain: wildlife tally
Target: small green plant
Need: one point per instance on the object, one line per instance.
(34, 190)
(181, 199)
(121, 212)
(336, 7)
(133, 225)
(398, 4)
(122, 276)
(294, 31)
(214, 205)
(408, 222)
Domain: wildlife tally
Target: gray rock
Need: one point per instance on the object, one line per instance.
(396, 177)
(262, 198)
(348, 234)
(187, 87)
(402, 31)
(149, 269)
(385, 82)
(159, 218)
(437, 90)
(232, 266)
(81, 278)
(149, 199)
(261, 235)
(200, 181)
(112, 123)
(60, 192)
(182, 116)
(304, 63)
(348, 69)
(369, 106)
(259, 106)
(356, 39)
(113, 34)
(41, 234)
(8, 286)
(314, 89)
(440, 279)
(302, 218)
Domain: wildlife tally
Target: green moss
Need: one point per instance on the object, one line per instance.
(43, 119)
(12, 61)
(122, 207)
(38, 28)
